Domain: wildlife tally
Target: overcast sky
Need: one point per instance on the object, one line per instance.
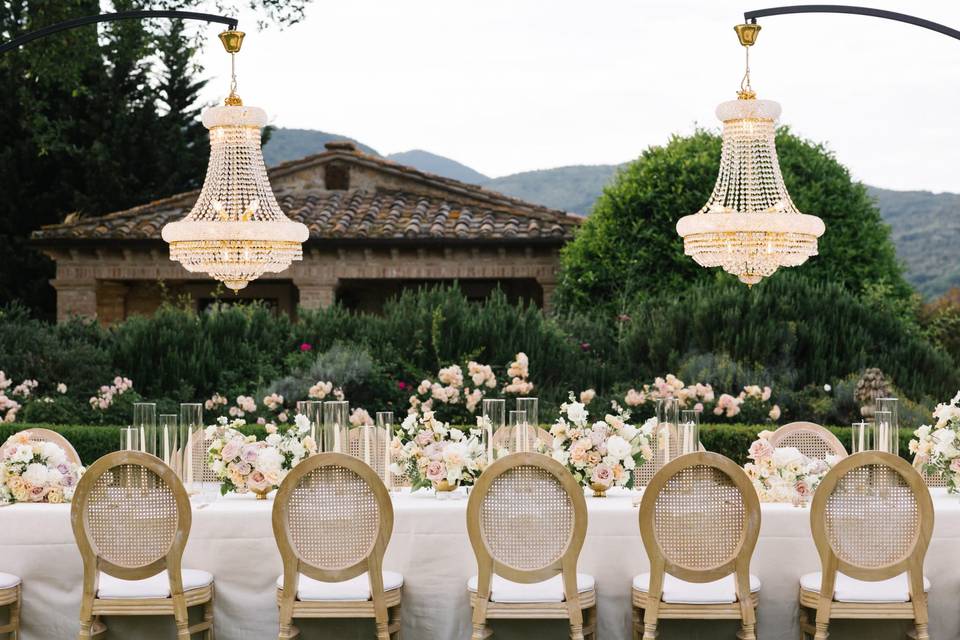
(514, 85)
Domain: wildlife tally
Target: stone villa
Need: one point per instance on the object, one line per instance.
(376, 227)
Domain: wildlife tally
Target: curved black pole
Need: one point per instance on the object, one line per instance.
(751, 16)
(111, 17)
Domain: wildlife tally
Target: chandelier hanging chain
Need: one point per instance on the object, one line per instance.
(745, 82)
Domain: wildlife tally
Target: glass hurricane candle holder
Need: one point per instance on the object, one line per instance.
(890, 406)
(167, 433)
(193, 448)
(385, 435)
(312, 410)
(129, 439)
(859, 437)
(518, 431)
(336, 426)
(668, 418)
(145, 419)
(885, 435)
(494, 419)
(531, 406)
(689, 431)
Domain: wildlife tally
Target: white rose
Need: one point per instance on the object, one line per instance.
(274, 439)
(269, 460)
(455, 434)
(784, 456)
(629, 432)
(618, 448)
(24, 453)
(52, 452)
(36, 474)
(577, 412)
(561, 456)
(648, 426)
(303, 424)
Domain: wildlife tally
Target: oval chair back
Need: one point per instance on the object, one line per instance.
(332, 518)
(810, 439)
(872, 519)
(699, 520)
(527, 520)
(48, 435)
(131, 519)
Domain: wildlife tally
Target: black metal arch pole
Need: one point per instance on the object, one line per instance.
(751, 16)
(112, 17)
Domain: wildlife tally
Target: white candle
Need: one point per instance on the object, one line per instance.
(166, 444)
(387, 478)
(336, 438)
(143, 440)
(129, 439)
(517, 437)
(188, 472)
(489, 429)
(366, 443)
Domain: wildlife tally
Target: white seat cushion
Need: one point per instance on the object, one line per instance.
(677, 591)
(354, 590)
(8, 580)
(503, 590)
(847, 589)
(157, 586)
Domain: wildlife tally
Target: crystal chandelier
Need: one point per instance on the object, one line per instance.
(749, 226)
(236, 231)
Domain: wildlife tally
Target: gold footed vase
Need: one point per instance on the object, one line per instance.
(599, 490)
(262, 495)
(444, 488)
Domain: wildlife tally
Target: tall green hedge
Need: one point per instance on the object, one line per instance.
(733, 441)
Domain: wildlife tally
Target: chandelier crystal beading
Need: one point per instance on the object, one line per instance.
(236, 231)
(749, 227)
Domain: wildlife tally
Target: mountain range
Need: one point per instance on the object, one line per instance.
(925, 226)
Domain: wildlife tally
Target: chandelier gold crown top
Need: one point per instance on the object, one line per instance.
(236, 231)
(749, 227)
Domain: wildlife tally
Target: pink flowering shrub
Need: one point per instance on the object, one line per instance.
(751, 404)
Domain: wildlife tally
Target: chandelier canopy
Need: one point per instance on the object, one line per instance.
(236, 231)
(749, 226)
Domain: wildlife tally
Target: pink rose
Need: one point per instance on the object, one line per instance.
(801, 488)
(424, 438)
(231, 450)
(243, 468)
(258, 482)
(955, 465)
(436, 471)
(602, 474)
(760, 450)
(249, 453)
(37, 493)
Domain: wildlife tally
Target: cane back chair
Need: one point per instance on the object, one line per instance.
(520, 498)
(872, 518)
(131, 519)
(332, 518)
(11, 594)
(48, 435)
(699, 520)
(810, 439)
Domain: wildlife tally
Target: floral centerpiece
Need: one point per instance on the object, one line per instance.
(36, 471)
(600, 455)
(243, 463)
(936, 449)
(432, 453)
(783, 474)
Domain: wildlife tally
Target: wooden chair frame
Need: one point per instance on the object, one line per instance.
(13, 597)
(48, 435)
(831, 441)
(648, 607)
(384, 606)
(92, 607)
(911, 562)
(578, 608)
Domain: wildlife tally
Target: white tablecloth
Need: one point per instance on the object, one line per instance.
(233, 539)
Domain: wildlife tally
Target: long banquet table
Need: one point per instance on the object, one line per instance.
(233, 539)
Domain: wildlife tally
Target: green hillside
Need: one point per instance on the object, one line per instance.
(573, 188)
(432, 163)
(293, 144)
(926, 231)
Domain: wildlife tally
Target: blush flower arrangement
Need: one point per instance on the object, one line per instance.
(936, 448)
(36, 471)
(600, 455)
(783, 474)
(432, 453)
(244, 464)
